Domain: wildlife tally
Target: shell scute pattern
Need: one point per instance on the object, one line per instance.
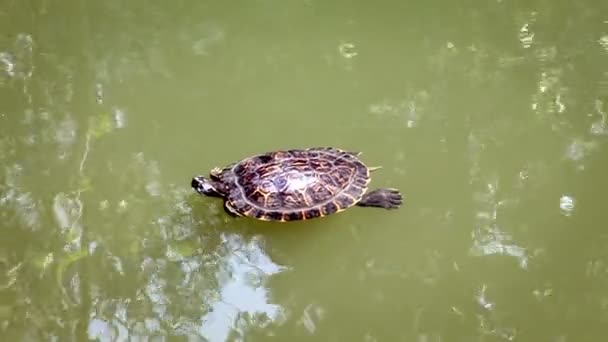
(296, 184)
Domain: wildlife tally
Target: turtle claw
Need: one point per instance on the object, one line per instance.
(215, 172)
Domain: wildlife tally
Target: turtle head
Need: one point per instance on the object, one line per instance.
(205, 186)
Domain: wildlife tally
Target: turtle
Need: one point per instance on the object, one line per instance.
(295, 184)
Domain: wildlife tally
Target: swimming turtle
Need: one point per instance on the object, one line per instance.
(296, 184)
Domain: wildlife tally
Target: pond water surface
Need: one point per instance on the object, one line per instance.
(489, 116)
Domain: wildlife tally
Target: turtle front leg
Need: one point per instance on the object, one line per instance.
(228, 208)
(216, 173)
(382, 198)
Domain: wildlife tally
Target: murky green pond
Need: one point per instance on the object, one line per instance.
(489, 116)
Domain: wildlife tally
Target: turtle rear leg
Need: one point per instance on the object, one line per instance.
(382, 198)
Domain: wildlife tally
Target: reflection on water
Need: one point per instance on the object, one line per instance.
(18, 61)
(203, 37)
(243, 297)
(406, 112)
(566, 204)
(18, 201)
(240, 304)
(488, 236)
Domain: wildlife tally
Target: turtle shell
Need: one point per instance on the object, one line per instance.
(295, 184)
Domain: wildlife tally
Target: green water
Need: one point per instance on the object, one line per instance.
(489, 116)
